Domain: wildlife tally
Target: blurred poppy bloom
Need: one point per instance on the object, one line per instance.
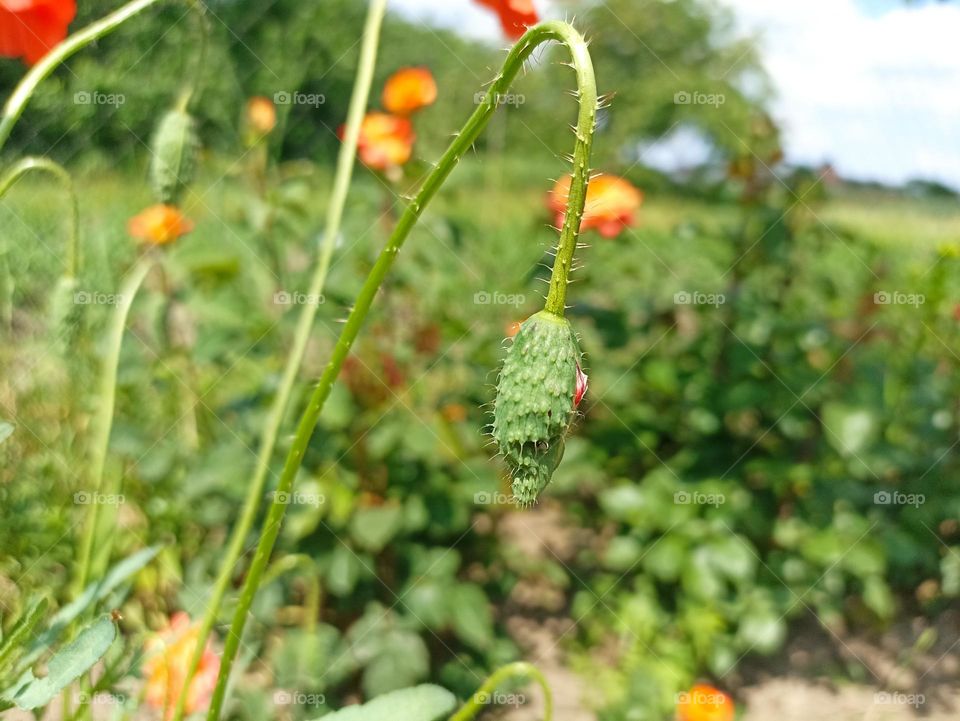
(515, 15)
(159, 224)
(408, 90)
(29, 28)
(611, 204)
(168, 655)
(261, 115)
(704, 703)
(386, 141)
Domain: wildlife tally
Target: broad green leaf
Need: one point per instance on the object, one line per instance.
(65, 666)
(372, 528)
(92, 594)
(472, 618)
(420, 703)
(848, 429)
(403, 659)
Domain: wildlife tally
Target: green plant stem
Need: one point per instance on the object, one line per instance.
(559, 31)
(255, 486)
(71, 267)
(189, 90)
(16, 103)
(103, 419)
(518, 670)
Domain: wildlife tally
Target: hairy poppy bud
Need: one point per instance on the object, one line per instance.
(540, 386)
(175, 146)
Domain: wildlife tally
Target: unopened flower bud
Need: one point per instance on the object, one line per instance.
(173, 162)
(540, 386)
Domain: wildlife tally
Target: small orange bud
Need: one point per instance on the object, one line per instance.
(261, 115)
(159, 224)
(409, 90)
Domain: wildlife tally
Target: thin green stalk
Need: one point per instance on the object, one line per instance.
(16, 103)
(559, 31)
(22, 167)
(518, 670)
(103, 420)
(341, 185)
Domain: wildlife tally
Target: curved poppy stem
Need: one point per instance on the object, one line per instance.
(103, 419)
(189, 90)
(16, 103)
(72, 262)
(587, 96)
(520, 670)
(308, 314)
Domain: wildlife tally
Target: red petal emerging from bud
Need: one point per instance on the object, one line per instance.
(581, 390)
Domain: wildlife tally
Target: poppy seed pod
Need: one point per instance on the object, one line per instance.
(536, 401)
(175, 147)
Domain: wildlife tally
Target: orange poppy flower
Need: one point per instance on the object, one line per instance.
(261, 115)
(611, 204)
(168, 654)
(386, 141)
(29, 28)
(159, 224)
(408, 90)
(704, 703)
(515, 15)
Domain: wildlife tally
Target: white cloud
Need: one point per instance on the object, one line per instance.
(876, 95)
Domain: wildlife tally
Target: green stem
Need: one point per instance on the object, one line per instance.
(555, 30)
(255, 486)
(200, 55)
(25, 165)
(15, 105)
(518, 670)
(103, 420)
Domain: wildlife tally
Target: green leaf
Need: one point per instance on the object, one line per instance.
(420, 703)
(6, 430)
(403, 660)
(848, 429)
(472, 618)
(92, 594)
(343, 572)
(878, 598)
(372, 528)
(69, 663)
(21, 629)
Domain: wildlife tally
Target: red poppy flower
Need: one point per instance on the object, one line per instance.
(386, 141)
(29, 28)
(408, 90)
(611, 204)
(515, 15)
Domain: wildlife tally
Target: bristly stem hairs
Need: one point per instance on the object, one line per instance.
(587, 97)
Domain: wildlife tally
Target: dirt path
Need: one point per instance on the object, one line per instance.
(910, 672)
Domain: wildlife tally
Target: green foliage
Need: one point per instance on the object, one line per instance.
(421, 703)
(75, 658)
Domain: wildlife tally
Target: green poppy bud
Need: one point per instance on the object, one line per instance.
(540, 387)
(174, 148)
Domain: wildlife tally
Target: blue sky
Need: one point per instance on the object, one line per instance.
(872, 86)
